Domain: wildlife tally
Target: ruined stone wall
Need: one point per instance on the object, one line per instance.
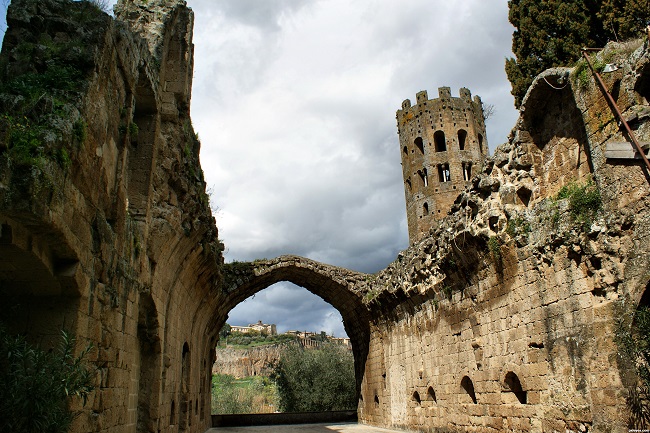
(503, 317)
(106, 226)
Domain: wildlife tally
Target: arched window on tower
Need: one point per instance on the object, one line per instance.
(419, 144)
(439, 141)
(467, 171)
(425, 209)
(406, 150)
(462, 136)
(443, 173)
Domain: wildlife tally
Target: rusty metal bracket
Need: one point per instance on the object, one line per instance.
(615, 108)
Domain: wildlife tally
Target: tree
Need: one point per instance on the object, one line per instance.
(551, 33)
(225, 331)
(624, 19)
(315, 379)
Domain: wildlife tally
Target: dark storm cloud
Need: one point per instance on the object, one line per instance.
(291, 308)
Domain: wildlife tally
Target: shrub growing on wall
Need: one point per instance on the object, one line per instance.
(36, 386)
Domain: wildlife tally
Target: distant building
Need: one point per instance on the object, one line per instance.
(301, 334)
(259, 327)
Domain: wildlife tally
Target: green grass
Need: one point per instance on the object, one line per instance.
(254, 394)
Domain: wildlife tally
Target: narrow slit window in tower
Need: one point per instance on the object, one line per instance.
(480, 143)
(425, 209)
(423, 177)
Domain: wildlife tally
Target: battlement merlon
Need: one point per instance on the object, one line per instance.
(444, 94)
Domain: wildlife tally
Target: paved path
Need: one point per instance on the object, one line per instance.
(305, 428)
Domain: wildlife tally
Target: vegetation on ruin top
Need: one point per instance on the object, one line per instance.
(239, 340)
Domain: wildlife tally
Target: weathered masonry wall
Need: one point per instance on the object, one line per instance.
(503, 319)
(106, 229)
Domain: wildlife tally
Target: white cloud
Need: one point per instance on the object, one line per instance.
(295, 104)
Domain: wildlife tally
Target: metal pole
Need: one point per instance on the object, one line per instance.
(616, 109)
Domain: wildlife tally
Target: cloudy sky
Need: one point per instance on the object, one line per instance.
(294, 102)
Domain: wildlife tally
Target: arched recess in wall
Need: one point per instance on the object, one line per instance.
(142, 132)
(513, 385)
(416, 398)
(177, 60)
(468, 388)
(39, 293)
(316, 278)
(431, 394)
(439, 141)
(185, 406)
(558, 138)
(150, 353)
(480, 143)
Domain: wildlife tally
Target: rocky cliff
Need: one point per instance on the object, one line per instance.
(256, 361)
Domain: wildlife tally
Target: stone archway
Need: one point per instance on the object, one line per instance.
(337, 286)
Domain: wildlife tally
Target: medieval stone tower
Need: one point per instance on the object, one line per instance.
(443, 143)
